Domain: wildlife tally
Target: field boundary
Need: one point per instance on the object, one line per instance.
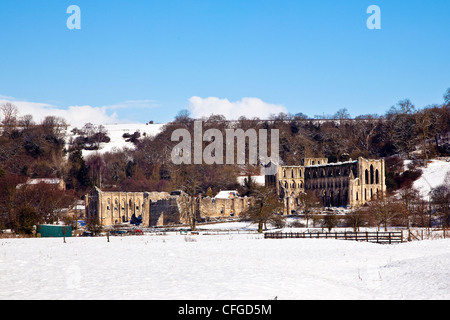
(388, 237)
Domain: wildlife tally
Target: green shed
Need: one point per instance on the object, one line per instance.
(54, 231)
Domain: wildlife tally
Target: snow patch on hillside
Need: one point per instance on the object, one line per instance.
(432, 176)
(116, 132)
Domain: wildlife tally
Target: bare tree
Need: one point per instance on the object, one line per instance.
(440, 198)
(309, 204)
(423, 123)
(358, 218)
(447, 97)
(26, 121)
(386, 210)
(93, 225)
(403, 130)
(329, 221)
(266, 208)
(409, 198)
(9, 113)
(55, 126)
(190, 184)
(365, 128)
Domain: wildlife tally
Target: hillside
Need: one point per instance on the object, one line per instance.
(432, 176)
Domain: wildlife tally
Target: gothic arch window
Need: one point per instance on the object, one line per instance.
(377, 177)
(292, 173)
(367, 176)
(371, 174)
(284, 173)
(116, 205)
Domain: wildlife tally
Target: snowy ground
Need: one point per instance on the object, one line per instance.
(234, 266)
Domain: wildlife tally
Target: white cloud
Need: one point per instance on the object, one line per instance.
(74, 115)
(144, 104)
(248, 107)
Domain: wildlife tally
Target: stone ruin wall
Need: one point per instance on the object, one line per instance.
(159, 208)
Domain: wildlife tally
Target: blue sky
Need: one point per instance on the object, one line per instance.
(145, 60)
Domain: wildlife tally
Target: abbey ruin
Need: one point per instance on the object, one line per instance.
(343, 184)
(161, 208)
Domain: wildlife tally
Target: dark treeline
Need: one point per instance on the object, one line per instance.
(40, 150)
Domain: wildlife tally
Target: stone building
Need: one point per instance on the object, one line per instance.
(118, 207)
(343, 184)
(160, 208)
(223, 207)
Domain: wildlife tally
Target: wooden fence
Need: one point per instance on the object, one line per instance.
(375, 237)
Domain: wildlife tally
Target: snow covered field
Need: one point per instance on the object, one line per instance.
(234, 266)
